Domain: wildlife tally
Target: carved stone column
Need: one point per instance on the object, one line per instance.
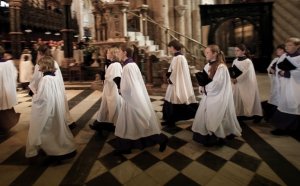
(143, 19)
(15, 30)
(188, 22)
(180, 22)
(67, 34)
(160, 12)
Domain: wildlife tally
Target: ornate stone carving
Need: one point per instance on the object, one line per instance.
(180, 9)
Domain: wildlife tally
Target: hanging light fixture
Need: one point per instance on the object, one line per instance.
(28, 30)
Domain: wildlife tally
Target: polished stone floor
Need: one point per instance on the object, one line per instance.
(256, 158)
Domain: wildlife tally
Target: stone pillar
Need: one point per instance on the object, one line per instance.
(67, 34)
(188, 23)
(15, 31)
(97, 25)
(117, 23)
(160, 13)
(180, 22)
(143, 20)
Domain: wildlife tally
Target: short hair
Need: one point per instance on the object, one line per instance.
(47, 64)
(26, 57)
(127, 49)
(114, 53)
(44, 50)
(175, 44)
(281, 46)
(294, 40)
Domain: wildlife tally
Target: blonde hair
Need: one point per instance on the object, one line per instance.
(114, 53)
(294, 40)
(47, 64)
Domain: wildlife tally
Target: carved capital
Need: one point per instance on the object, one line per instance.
(66, 2)
(15, 3)
(180, 9)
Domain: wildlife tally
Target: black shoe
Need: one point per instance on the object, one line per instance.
(163, 145)
(95, 126)
(257, 119)
(120, 152)
(221, 142)
(278, 132)
(72, 126)
(230, 137)
(164, 123)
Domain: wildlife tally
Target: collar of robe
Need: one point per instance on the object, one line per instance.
(48, 73)
(128, 60)
(2, 60)
(295, 54)
(211, 62)
(177, 53)
(242, 58)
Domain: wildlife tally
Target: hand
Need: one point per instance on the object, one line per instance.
(272, 71)
(234, 81)
(281, 73)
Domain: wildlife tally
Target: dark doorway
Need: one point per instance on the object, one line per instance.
(248, 23)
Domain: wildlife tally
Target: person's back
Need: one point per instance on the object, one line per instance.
(8, 81)
(48, 130)
(137, 125)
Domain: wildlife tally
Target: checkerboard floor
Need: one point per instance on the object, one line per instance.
(256, 158)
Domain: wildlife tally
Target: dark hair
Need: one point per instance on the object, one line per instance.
(26, 57)
(44, 50)
(281, 46)
(127, 49)
(243, 47)
(176, 44)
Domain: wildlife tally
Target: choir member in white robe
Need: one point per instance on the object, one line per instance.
(180, 101)
(286, 119)
(25, 68)
(245, 89)
(47, 129)
(216, 118)
(137, 125)
(44, 50)
(8, 94)
(270, 106)
(111, 99)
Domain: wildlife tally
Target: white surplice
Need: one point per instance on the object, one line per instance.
(181, 90)
(111, 100)
(274, 88)
(47, 129)
(33, 85)
(289, 96)
(216, 112)
(25, 69)
(137, 118)
(245, 91)
(8, 83)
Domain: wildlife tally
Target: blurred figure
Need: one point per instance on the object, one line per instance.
(8, 93)
(180, 101)
(137, 125)
(215, 118)
(286, 119)
(43, 51)
(108, 112)
(25, 68)
(270, 106)
(47, 129)
(245, 89)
